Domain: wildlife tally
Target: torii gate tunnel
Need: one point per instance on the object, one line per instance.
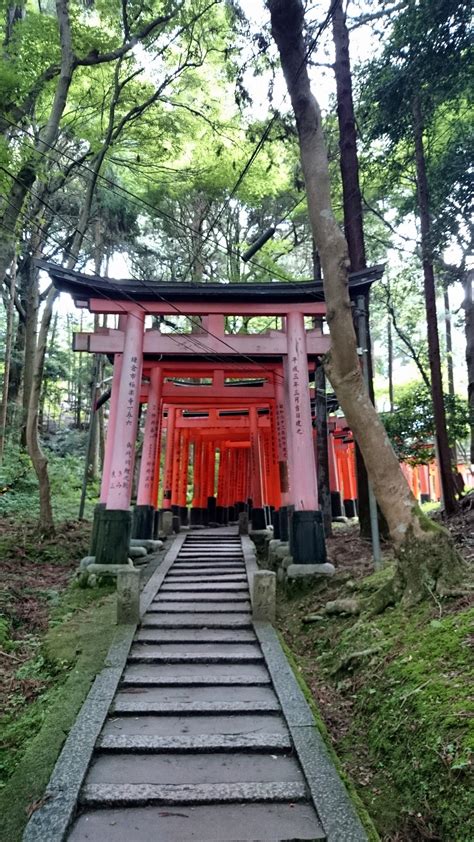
(228, 423)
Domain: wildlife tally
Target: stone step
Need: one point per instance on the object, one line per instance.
(297, 822)
(175, 579)
(195, 636)
(218, 595)
(211, 552)
(98, 795)
(150, 658)
(210, 570)
(198, 674)
(218, 548)
(198, 620)
(195, 653)
(207, 743)
(135, 705)
(216, 540)
(196, 648)
(157, 725)
(203, 564)
(202, 768)
(201, 586)
(189, 607)
(214, 823)
(209, 555)
(208, 559)
(189, 695)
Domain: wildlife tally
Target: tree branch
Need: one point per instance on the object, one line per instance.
(93, 58)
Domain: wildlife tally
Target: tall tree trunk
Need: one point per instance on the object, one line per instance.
(449, 342)
(444, 455)
(31, 304)
(426, 557)
(353, 216)
(39, 460)
(17, 363)
(390, 363)
(47, 138)
(468, 306)
(349, 162)
(7, 358)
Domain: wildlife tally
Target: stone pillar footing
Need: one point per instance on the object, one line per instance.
(113, 539)
(99, 509)
(336, 504)
(350, 508)
(195, 516)
(284, 531)
(167, 522)
(264, 595)
(243, 523)
(259, 520)
(128, 596)
(276, 524)
(307, 542)
(156, 524)
(143, 522)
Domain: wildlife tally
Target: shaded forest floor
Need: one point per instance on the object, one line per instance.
(53, 641)
(394, 692)
(35, 574)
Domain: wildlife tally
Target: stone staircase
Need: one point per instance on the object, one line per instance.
(195, 745)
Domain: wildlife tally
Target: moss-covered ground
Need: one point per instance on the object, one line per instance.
(396, 694)
(53, 640)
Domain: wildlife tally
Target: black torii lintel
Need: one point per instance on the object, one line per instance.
(84, 287)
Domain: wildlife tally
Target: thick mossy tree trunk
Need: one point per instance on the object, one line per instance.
(426, 557)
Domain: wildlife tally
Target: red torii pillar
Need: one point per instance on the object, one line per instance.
(258, 512)
(281, 526)
(183, 479)
(168, 473)
(144, 514)
(109, 447)
(334, 484)
(307, 543)
(195, 514)
(113, 537)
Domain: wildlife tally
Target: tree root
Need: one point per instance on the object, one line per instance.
(386, 596)
(354, 657)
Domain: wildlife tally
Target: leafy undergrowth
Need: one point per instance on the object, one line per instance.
(395, 693)
(19, 485)
(53, 640)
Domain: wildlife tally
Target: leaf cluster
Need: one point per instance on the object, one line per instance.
(411, 427)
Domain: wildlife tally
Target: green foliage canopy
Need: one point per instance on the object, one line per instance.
(411, 426)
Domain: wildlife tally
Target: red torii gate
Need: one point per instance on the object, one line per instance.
(275, 464)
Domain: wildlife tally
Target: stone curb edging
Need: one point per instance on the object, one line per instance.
(250, 558)
(329, 795)
(52, 820)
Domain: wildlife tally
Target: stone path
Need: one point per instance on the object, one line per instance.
(195, 745)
